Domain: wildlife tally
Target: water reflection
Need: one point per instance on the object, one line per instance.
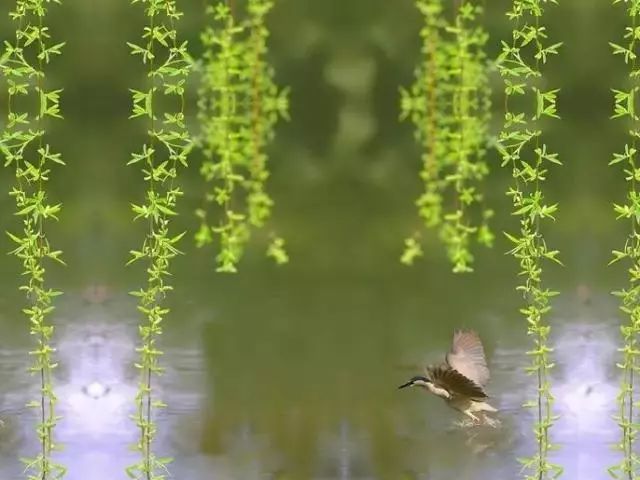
(345, 453)
(16, 419)
(96, 386)
(288, 417)
(585, 385)
(586, 388)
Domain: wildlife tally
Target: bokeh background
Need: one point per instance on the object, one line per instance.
(291, 372)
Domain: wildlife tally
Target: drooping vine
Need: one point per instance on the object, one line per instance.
(239, 106)
(522, 148)
(165, 151)
(624, 107)
(449, 103)
(26, 150)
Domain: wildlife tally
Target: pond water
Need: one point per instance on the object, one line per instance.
(296, 377)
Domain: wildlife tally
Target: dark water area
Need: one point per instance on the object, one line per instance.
(291, 372)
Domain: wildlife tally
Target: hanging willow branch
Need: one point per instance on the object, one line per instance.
(239, 106)
(625, 108)
(523, 149)
(26, 150)
(166, 150)
(449, 106)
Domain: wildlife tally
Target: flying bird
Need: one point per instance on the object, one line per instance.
(461, 379)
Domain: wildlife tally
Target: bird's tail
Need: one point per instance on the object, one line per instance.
(485, 407)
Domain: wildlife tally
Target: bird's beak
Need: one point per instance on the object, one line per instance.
(408, 384)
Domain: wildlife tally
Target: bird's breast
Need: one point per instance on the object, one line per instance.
(440, 392)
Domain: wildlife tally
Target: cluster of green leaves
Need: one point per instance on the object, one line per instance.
(522, 148)
(163, 154)
(26, 151)
(624, 107)
(449, 104)
(239, 106)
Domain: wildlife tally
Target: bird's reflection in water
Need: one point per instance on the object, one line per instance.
(479, 440)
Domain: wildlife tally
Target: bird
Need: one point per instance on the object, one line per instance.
(461, 379)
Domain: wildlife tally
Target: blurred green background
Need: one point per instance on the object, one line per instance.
(344, 169)
(298, 352)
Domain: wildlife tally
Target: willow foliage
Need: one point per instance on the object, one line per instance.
(160, 158)
(624, 107)
(239, 106)
(26, 150)
(523, 149)
(449, 106)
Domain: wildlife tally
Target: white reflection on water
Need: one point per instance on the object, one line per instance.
(96, 386)
(96, 392)
(585, 388)
(344, 454)
(584, 384)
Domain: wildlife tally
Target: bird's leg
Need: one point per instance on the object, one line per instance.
(492, 422)
(474, 420)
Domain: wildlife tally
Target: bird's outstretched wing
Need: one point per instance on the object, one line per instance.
(467, 356)
(454, 382)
